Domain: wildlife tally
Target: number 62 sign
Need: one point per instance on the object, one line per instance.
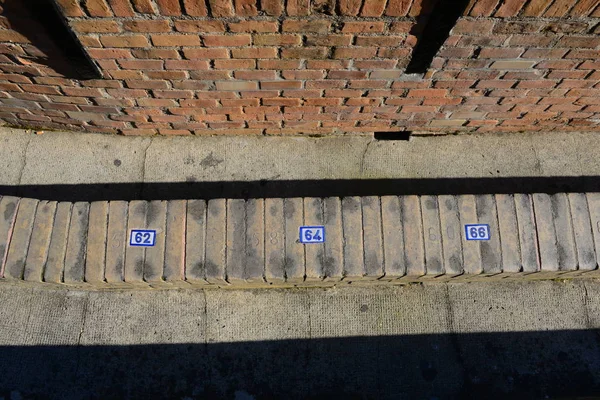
(142, 237)
(477, 232)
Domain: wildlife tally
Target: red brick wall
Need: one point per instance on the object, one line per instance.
(310, 67)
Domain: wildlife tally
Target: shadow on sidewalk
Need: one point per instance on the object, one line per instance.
(303, 188)
(521, 365)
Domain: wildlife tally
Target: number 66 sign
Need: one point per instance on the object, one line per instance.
(477, 232)
(142, 237)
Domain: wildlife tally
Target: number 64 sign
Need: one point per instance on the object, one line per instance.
(312, 234)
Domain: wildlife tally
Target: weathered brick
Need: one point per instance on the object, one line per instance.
(71, 8)
(195, 26)
(121, 8)
(373, 8)
(509, 8)
(579, 41)
(175, 40)
(363, 27)
(398, 8)
(298, 7)
(147, 26)
(226, 40)
(317, 26)
(143, 6)
(246, 8)
(125, 41)
(99, 26)
(272, 7)
(98, 8)
(254, 26)
(255, 52)
(535, 8)
(513, 64)
(305, 52)
(221, 8)
(236, 86)
(473, 27)
(354, 52)
(277, 40)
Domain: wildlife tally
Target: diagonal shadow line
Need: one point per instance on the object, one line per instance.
(302, 188)
(434, 32)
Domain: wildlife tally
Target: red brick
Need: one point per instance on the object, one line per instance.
(142, 84)
(124, 41)
(298, 7)
(354, 52)
(329, 40)
(456, 52)
(583, 8)
(278, 85)
(272, 7)
(427, 93)
(531, 40)
(121, 8)
(396, 53)
(317, 26)
(12, 36)
(195, 26)
(190, 65)
(143, 6)
(398, 8)
(537, 84)
(305, 52)
(556, 64)
(156, 53)
(595, 65)
(373, 8)
(235, 64)
(82, 92)
(277, 40)
(363, 27)
(419, 109)
(491, 52)
(420, 8)
(195, 8)
(303, 74)
(98, 8)
(88, 41)
(558, 74)
(473, 27)
(141, 64)
(558, 9)
(253, 75)
(175, 40)
(254, 26)
(147, 26)
(221, 8)
(535, 8)
(141, 132)
(169, 7)
(245, 8)
(583, 54)
(255, 52)
(375, 64)
(71, 8)
(236, 86)
(509, 8)
(204, 103)
(388, 41)
(544, 54)
(483, 8)
(226, 40)
(99, 26)
(203, 53)
(516, 27)
(579, 41)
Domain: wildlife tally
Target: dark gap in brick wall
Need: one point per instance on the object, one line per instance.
(435, 32)
(400, 135)
(43, 25)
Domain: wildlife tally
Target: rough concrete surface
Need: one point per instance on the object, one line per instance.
(529, 340)
(68, 158)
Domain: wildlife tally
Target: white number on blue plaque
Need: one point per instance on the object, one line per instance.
(142, 237)
(477, 232)
(312, 234)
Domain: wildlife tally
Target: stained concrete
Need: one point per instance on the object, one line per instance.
(72, 158)
(512, 339)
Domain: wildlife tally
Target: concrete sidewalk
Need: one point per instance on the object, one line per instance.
(69, 158)
(519, 340)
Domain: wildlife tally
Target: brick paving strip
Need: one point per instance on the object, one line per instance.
(258, 242)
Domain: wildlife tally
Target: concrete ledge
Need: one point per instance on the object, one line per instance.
(257, 242)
